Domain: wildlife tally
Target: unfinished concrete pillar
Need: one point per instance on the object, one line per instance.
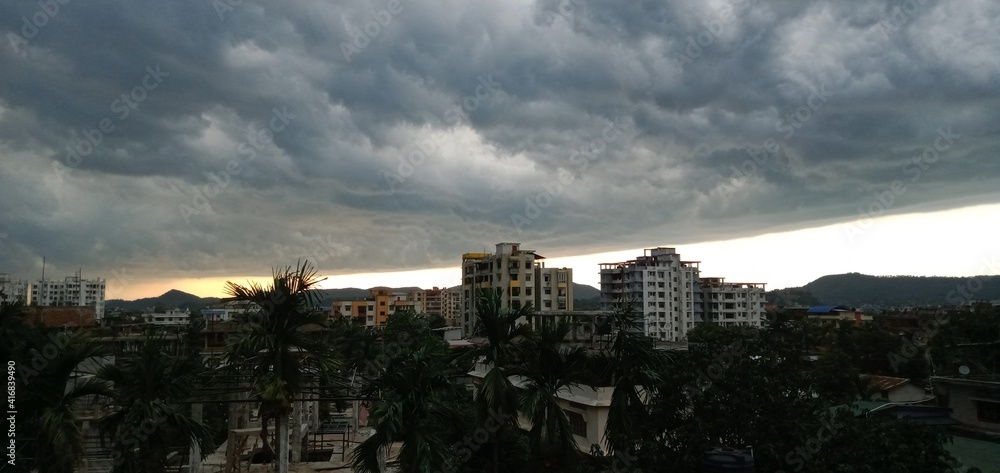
(194, 454)
(295, 444)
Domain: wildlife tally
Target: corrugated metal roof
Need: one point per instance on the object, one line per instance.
(826, 309)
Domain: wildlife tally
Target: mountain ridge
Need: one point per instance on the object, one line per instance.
(857, 290)
(177, 299)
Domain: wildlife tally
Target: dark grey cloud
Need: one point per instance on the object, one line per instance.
(180, 139)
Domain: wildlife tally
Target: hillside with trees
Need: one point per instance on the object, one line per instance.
(855, 290)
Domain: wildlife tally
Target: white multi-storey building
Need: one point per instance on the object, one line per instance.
(13, 289)
(72, 291)
(521, 275)
(674, 298)
(732, 304)
(665, 288)
(170, 317)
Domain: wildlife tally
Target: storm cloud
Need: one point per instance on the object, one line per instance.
(218, 137)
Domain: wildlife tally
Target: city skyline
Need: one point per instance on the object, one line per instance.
(718, 258)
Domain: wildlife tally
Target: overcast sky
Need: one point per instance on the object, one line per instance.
(154, 142)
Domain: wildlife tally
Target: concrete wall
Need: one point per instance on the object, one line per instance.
(964, 407)
(907, 393)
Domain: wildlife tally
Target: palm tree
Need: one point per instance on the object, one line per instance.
(548, 367)
(48, 399)
(496, 397)
(633, 368)
(282, 345)
(150, 416)
(14, 330)
(416, 406)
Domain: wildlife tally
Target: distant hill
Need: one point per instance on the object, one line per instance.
(586, 297)
(174, 299)
(855, 290)
(583, 291)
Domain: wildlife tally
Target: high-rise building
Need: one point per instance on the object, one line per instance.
(72, 291)
(521, 276)
(674, 298)
(13, 289)
(664, 288)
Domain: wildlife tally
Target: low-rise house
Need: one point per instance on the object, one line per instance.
(830, 314)
(894, 390)
(586, 408)
(974, 402)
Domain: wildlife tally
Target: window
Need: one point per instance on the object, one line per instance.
(988, 412)
(577, 423)
(942, 400)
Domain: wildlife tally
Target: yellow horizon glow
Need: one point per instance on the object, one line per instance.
(958, 242)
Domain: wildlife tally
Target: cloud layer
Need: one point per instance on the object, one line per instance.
(223, 137)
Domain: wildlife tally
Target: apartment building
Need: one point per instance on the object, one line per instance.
(432, 301)
(664, 287)
(13, 289)
(674, 298)
(175, 317)
(522, 277)
(381, 304)
(228, 311)
(733, 304)
(72, 291)
(451, 305)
